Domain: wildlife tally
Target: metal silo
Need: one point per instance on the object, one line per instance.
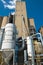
(10, 36)
(9, 40)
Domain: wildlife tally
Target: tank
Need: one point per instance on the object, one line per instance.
(9, 41)
(9, 38)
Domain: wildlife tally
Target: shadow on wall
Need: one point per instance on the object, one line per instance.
(1, 18)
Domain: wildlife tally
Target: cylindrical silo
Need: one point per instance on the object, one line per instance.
(9, 38)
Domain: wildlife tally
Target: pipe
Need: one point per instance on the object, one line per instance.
(1, 36)
(23, 43)
(25, 56)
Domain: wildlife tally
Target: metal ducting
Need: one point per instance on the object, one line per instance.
(21, 42)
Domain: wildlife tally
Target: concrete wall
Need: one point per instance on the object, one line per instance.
(4, 21)
(21, 10)
(31, 22)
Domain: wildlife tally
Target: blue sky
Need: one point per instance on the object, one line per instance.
(34, 10)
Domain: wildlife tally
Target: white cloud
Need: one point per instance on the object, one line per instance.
(11, 4)
(12, 13)
(3, 1)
